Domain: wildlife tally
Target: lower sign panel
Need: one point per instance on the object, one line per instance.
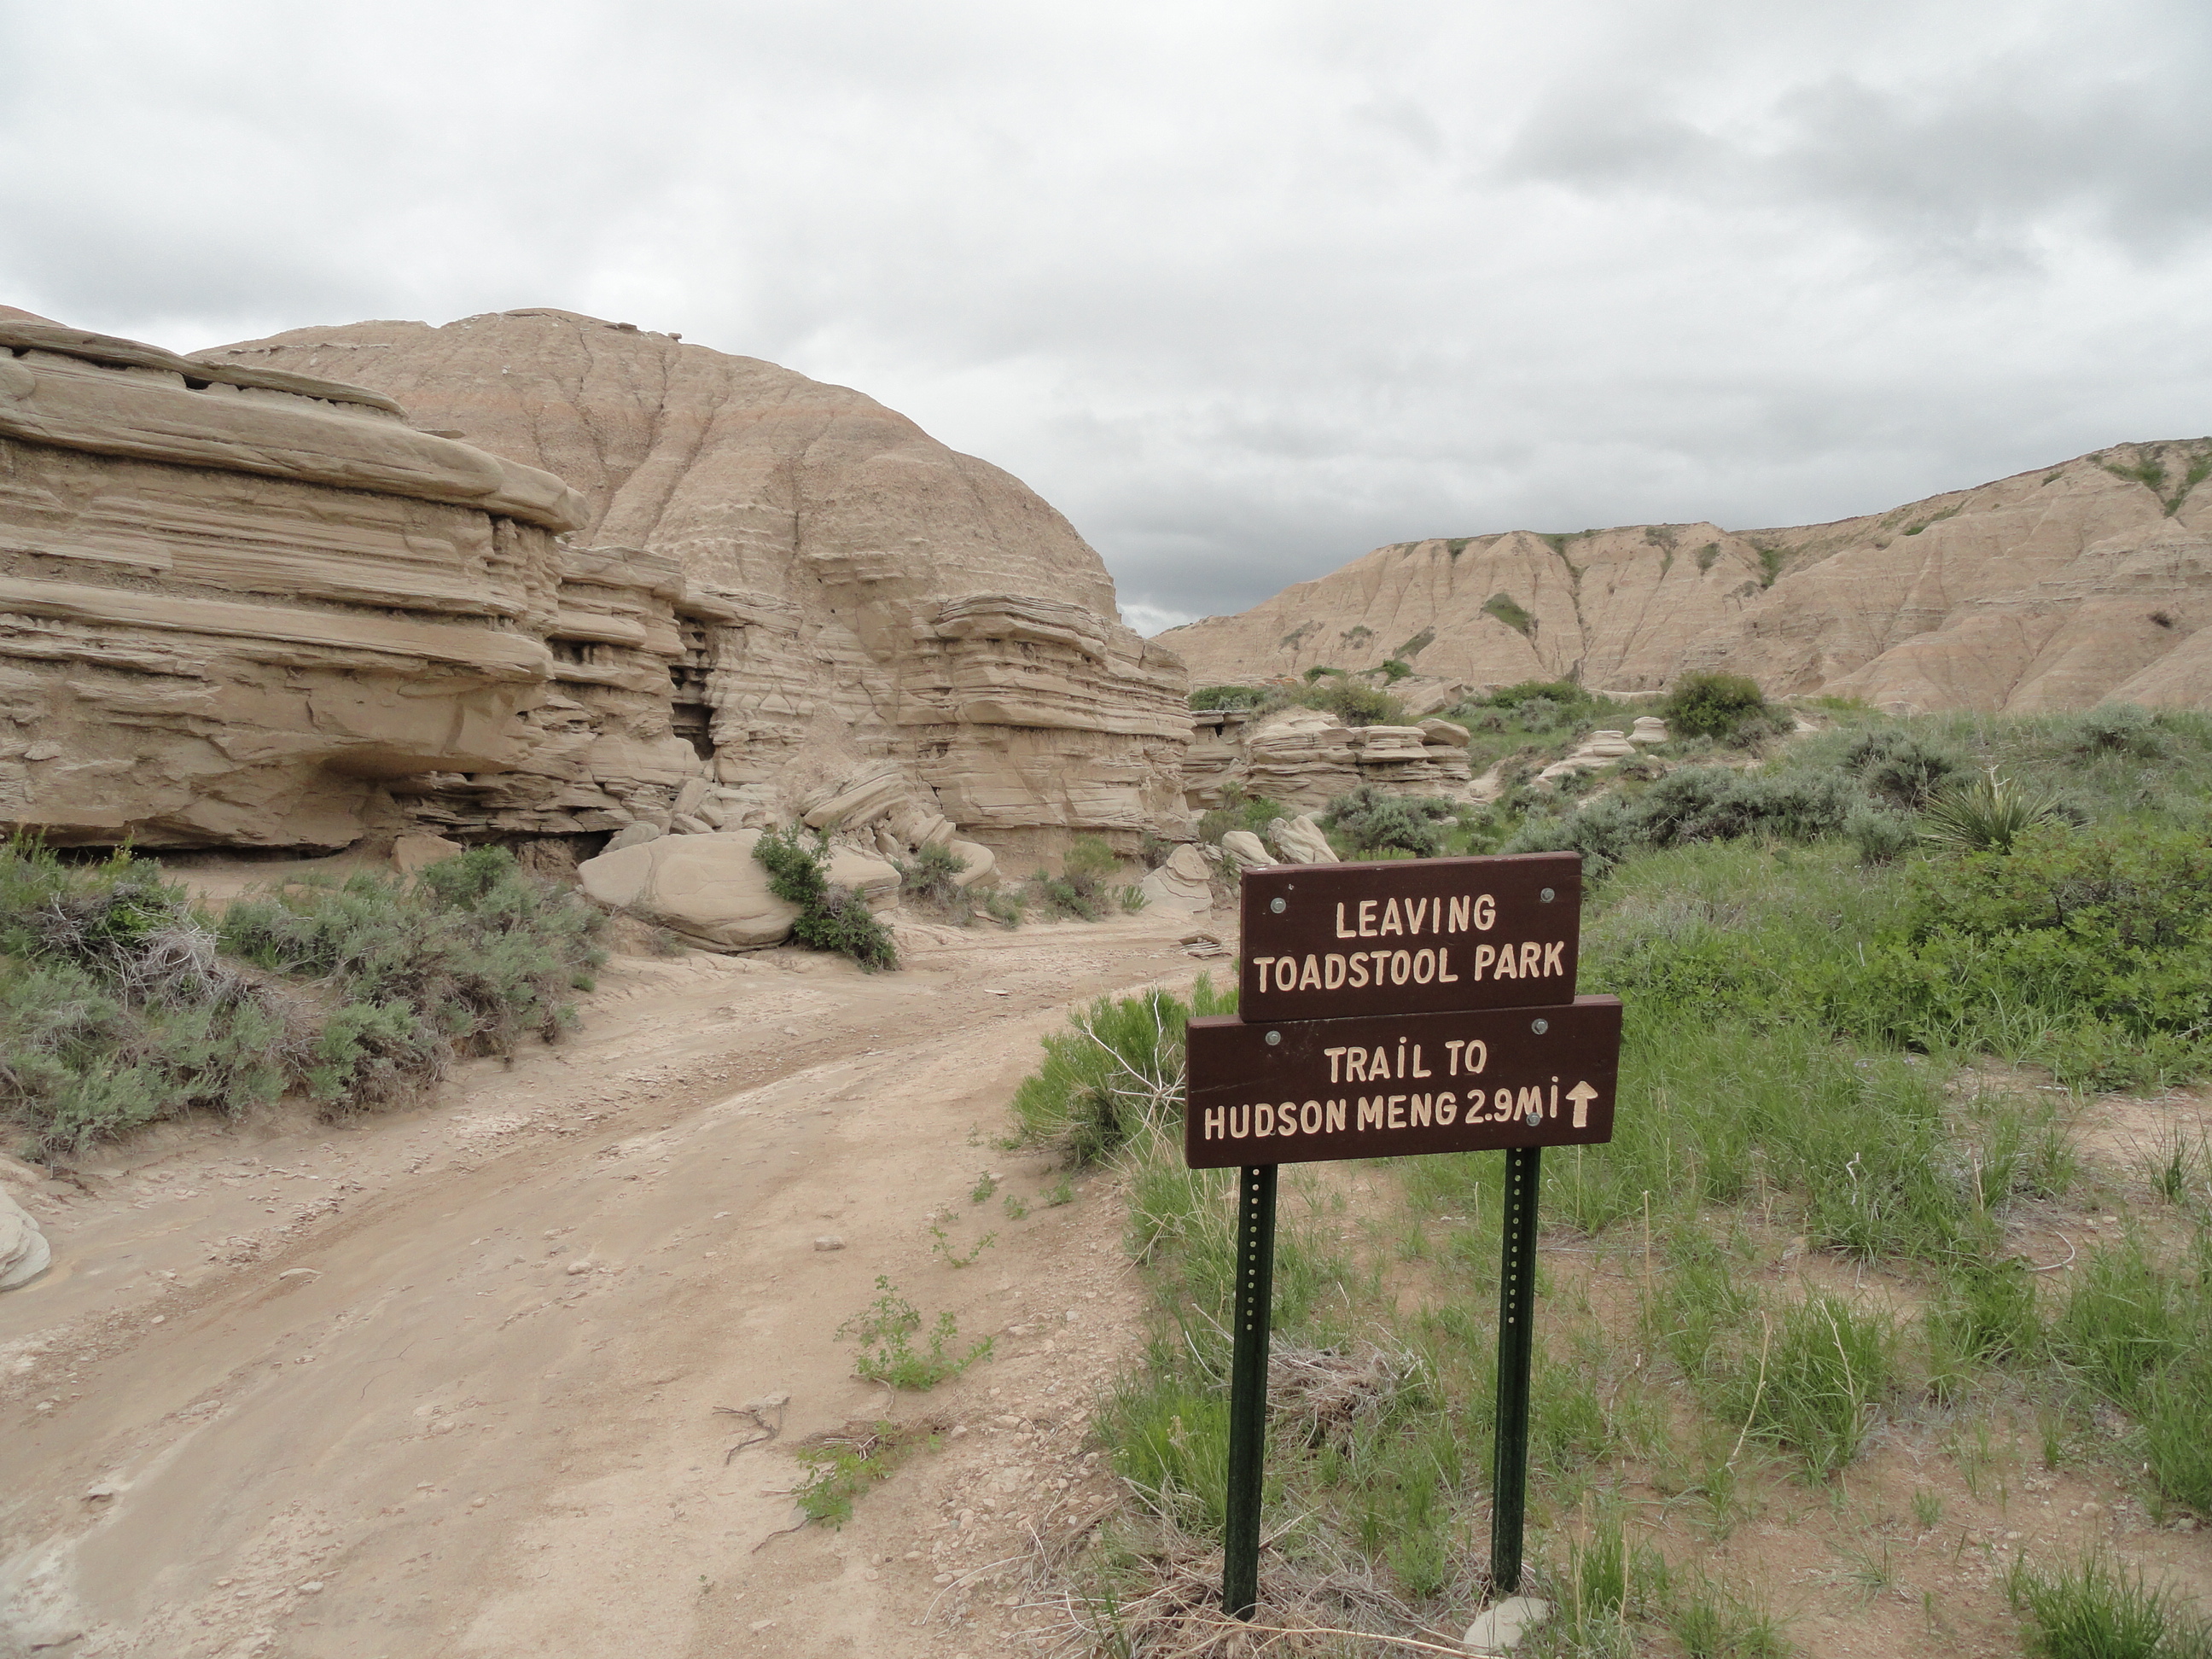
(1390, 1086)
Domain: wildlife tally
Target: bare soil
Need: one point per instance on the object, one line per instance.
(470, 1379)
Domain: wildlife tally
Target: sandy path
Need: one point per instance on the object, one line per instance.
(445, 1382)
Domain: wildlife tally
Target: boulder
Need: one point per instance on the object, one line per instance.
(873, 880)
(1183, 883)
(1300, 841)
(982, 864)
(709, 889)
(1246, 850)
(1608, 745)
(857, 804)
(1448, 733)
(24, 1252)
(633, 835)
(410, 854)
(1649, 728)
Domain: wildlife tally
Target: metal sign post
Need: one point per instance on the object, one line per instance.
(1387, 1009)
(1247, 1388)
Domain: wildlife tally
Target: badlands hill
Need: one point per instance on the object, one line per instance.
(2056, 588)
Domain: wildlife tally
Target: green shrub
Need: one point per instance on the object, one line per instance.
(1696, 804)
(1373, 820)
(121, 1006)
(1882, 837)
(1393, 670)
(1353, 703)
(2121, 728)
(831, 917)
(2090, 951)
(479, 952)
(1238, 810)
(1228, 697)
(1119, 1068)
(1727, 707)
(1899, 769)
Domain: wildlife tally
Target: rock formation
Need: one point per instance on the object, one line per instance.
(2056, 588)
(1304, 757)
(834, 593)
(236, 604)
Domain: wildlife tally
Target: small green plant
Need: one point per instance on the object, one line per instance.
(932, 878)
(1815, 1382)
(2098, 1609)
(1926, 1508)
(1393, 670)
(844, 1465)
(1015, 1210)
(986, 1184)
(1131, 899)
(885, 1330)
(1062, 1191)
(953, 1258)
(1712, 1620)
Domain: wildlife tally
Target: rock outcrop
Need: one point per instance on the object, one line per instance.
(1305, 757)
(831, 588)
(2056, 588)
(242, 604)
(24, 1252)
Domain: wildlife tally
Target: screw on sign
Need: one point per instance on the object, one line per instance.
(1390, 1010)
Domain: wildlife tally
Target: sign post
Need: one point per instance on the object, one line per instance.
(1386, 1009)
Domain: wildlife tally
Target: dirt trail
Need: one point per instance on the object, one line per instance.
(445, 1382)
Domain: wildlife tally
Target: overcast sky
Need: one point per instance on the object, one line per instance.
(1242, 290)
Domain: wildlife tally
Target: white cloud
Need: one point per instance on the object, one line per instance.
(1243, 288)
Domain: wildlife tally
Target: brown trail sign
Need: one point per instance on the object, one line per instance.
(1388, 1087)
(1388, 1009)
(1410, 936)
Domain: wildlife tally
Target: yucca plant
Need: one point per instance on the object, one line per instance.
(1988, 814)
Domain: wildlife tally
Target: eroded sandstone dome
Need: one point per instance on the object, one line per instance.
(874, 595)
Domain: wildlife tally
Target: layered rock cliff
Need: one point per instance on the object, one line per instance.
(242, 603)
(2055, 588)
(876, 596)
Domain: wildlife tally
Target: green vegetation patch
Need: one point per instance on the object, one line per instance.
(831, 917)
(122, 1003)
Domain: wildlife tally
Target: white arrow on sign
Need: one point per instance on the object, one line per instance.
(1582, 1094)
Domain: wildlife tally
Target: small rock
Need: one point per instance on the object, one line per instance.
(575, 1268)
(102, 1492)
(312, 1587)
(2187, 1523)
(412, 852)
(760, 1625)
(829, 1242)
(1499, 1628)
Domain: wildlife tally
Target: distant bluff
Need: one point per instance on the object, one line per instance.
(2057, 588)
(883, 600)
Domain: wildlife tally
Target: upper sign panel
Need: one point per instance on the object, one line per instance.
(1322, 941)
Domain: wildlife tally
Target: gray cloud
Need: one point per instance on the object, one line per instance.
(1244, 289)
